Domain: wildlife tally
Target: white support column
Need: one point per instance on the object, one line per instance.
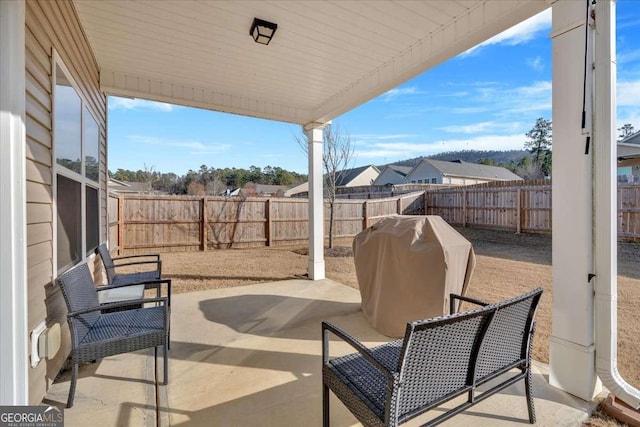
(14, 375)
(571, 346)
(316, 202)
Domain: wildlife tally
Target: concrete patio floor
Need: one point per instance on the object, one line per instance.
(251, 356)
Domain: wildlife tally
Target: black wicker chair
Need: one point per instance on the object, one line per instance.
(149, 278)
(95, 334)
(438, 360)
(112, 263)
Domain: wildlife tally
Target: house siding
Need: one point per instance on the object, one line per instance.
(389, 176)
(424, 171)
(457, 180)
(365, 178)
(52, 25)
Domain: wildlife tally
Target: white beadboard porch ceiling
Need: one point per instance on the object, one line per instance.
(326, 57)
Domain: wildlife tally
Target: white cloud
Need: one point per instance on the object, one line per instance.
(116, 103)
(481, 127)
(535, 63)
(628, 93)
(633, 118)
(493, 108)
(537, 88)
(369, 137)
(472, 128)
(471, 110)
(194, 147)
(459, 94)
(627, 56)
(628, 103)
(409, 150)
(400, 91)
(507, 101)
(520, 33)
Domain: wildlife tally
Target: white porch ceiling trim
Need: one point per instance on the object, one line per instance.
(129, 85)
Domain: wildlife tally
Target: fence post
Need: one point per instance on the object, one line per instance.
(204, 223)
(464, 208)
(269, 224)
(365, 214)
(399, 205)
(519, 211)
(425, 204)
(121, 225)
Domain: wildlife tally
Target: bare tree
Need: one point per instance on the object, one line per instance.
(336, 158)
(148, 176)
(215, 187)
(626, 130)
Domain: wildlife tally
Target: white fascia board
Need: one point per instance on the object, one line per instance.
(128, 85)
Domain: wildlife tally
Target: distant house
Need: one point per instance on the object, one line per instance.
(260, 190)
(364, 175)
(393, 174)
(634, 138)
(457, 172)
(629, 158)
(123, 187)
(298, 190)
(265, 190)
(356, 177)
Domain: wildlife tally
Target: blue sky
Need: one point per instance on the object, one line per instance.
(485, 99)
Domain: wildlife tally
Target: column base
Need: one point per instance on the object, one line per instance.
(572, 368)
(316, 270)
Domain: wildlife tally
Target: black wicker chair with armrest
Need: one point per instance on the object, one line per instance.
(150, 278)
(95, 334)
(154, 271)
(438, 360)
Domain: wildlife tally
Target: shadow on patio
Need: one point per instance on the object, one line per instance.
(250, 356)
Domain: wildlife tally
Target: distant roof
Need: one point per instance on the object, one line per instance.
(634, 138)
(473, 170)
(129, 186)
(402, 170)
(270, 189)
(298, 188)
(348, 175)
(251, 188)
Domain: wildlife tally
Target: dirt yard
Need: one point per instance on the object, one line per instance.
(507, 264)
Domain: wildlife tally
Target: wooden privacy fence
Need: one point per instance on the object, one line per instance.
(520, 206)
(183, 223)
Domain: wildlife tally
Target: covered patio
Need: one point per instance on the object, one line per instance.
(326, 58)
(251, 356)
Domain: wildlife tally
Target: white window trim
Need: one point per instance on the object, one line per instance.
(61, 170)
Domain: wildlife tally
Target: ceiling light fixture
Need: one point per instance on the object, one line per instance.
(262, 31)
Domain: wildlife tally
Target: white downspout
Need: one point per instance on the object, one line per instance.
(604, 206)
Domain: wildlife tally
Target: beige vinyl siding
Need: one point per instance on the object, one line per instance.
(365, 178)
(52, 25)
(457, 180)
(422, 171)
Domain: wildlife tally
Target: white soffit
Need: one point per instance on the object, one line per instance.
(326, 57)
